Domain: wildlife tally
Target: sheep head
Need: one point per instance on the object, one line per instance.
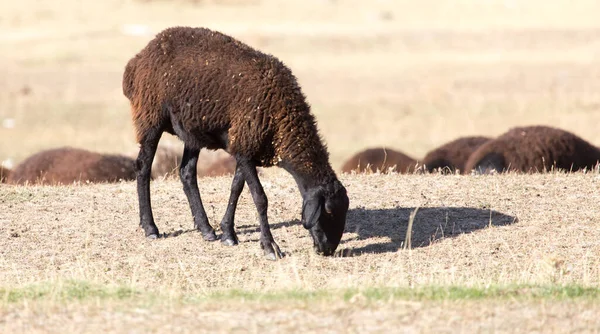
(324, 215)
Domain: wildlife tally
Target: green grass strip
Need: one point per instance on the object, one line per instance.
(79, 290)
(65, 291)
(434, 293)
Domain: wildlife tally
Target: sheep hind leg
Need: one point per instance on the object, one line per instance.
(143, 169)
(229, 237)
(188, 175)
(270, 248)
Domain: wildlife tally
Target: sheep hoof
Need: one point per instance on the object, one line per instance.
(273, 253)
(209, 236)
(229, 241)
(150, 230)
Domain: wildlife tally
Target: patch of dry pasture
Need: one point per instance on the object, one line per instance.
(469, 231)
(336, 317)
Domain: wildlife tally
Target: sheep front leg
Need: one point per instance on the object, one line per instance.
(188, 175)
(143, 168)
(267, 243)
(229, 237)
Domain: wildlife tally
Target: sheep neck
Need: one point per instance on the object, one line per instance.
(310, 179)
(298, 146)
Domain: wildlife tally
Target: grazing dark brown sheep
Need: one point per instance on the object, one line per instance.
(213, 91)
(453, 155)
(533, 149)
(382, 159)
(4, 173)
(67, 165)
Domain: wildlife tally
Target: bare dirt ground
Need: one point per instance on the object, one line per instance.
(401, 74)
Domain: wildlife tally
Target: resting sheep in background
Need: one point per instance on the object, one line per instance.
(382, 159)
(66, 165)
(4, 173)
(219, 167)
(166, 162)
(534, 149)
(213, 91)
(215, 163)
(453, 155)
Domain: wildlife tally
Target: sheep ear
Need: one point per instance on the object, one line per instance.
(328, 206)
(311, 211)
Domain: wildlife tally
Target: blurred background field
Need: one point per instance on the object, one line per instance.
(402, 74)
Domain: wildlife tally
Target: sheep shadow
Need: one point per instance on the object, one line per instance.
(430, 225)
(175, 233)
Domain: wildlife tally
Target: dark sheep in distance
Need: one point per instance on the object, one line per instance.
(220, 167)
(212, 91)
(167, 161)
(534, 149)
(4, 173)
(453, 155)
(66, 165)
(382, 159)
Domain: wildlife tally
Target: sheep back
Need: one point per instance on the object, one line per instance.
(453, 155)
(382, 159)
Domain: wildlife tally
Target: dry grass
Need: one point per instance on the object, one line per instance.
(401, 74)
(91, 233)
(469, 232)
(329, 317)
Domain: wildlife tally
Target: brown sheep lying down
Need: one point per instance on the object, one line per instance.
(453, 155)
(67, 165)
(382, 159)
(214, 163)
(4, 173)
(213, 91)
(534, 149)
(166, 162)
(221, 166)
